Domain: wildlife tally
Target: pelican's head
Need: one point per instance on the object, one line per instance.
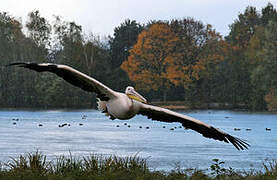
(133, 94)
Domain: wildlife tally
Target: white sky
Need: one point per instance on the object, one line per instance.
(102, 16)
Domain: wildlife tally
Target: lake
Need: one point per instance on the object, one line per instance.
(90, 132)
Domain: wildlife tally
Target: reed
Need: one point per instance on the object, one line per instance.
(36, 166)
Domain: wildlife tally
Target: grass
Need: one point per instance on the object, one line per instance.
(36, 166)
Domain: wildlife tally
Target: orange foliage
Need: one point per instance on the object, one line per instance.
(157, 59)
(150, 56)
(182, 73)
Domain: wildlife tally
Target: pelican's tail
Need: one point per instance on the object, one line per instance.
(101, 106)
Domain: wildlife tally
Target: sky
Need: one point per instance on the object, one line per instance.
(100, 17)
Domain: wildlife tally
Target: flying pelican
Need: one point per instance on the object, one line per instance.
(126, 105)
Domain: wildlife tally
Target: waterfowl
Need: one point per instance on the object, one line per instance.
(126, 105)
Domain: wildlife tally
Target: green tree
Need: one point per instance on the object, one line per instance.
(269, 13)
(244, 27)
(10, 33)
(255, 57)
(14, 46)
(264, 73)
(68, 42)
(39, 29)
(69, 50)
(236, 69)
(123, 39)
(97, 58)
(85, 53)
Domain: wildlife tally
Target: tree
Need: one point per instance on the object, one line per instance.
(10, 37)
(39, 29)
(237, 65)
(200, 48)
(85, 53)
(96, 58)
(124, 37)
(264, 73)
(148, 62)
(269, 13)
(195, 49)
(244, 27)
(14, 46)
(69, 42)
(182, 53)
(255, 55)
(212, 55)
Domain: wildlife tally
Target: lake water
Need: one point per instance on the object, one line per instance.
(90, 132)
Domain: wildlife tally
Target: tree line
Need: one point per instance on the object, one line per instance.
(180, 59)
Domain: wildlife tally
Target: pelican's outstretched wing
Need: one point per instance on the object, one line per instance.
(165, 115)
(72, 76)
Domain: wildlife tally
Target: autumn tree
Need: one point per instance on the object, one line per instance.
(196, 46)
(148, 62)
(182, 53)
(200, 48)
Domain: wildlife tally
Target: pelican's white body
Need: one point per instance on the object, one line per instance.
(122, 107)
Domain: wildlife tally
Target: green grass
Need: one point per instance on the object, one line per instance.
(36, 166)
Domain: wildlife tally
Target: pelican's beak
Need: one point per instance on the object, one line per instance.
(136, 96)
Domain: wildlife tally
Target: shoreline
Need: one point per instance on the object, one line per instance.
(172, 105)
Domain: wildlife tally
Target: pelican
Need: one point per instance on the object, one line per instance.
(126, 105)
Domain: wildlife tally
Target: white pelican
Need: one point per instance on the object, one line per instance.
(126, 105)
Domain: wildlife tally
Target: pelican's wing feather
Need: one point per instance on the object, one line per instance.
(72, 76)
(165, 115)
